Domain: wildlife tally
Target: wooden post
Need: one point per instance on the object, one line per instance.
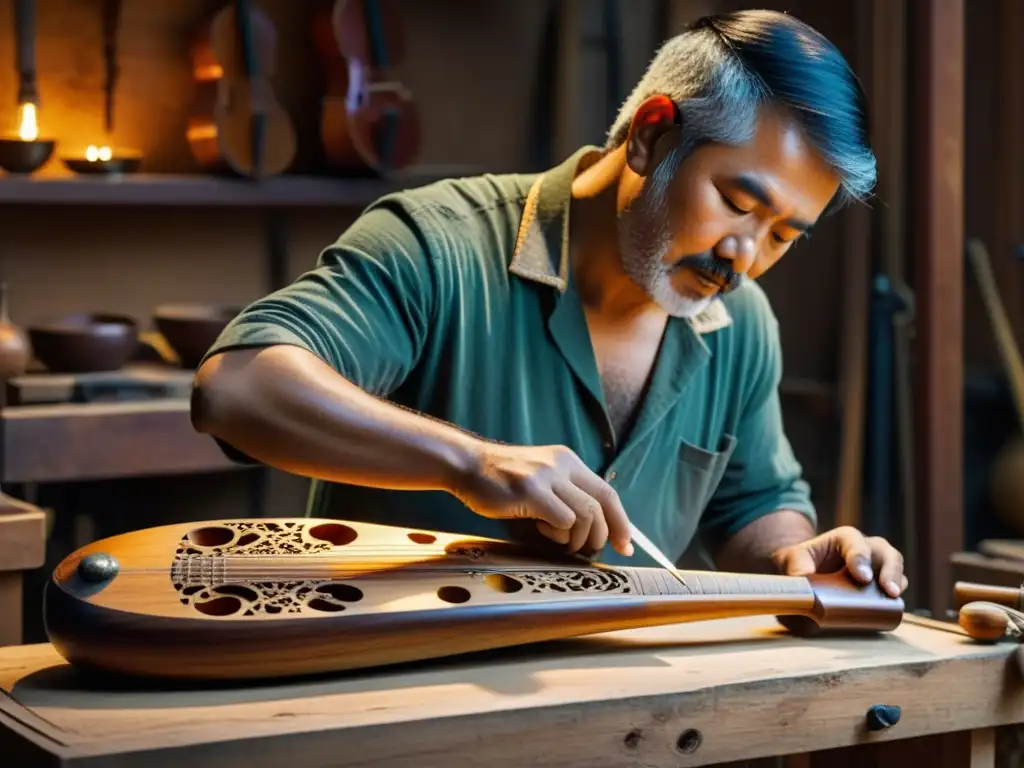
(936, 86)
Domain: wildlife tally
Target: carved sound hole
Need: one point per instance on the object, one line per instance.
(337, 534)
(422, 538)
(454, 594)
(224, 600)
(219, 606)
(258, 537)
(331, 597)
(212, 536)
(500, 582)
(269, 598)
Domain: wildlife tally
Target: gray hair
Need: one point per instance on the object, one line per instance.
(722, 70)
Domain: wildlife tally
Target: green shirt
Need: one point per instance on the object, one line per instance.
(456, 299)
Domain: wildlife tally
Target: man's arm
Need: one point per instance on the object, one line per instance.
(298, 380)
(750, 550)
(762, 502)
(284, 407)
(761, 518)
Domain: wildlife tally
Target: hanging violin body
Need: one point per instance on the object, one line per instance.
(369, 123)
(268, 598)
(237, 124)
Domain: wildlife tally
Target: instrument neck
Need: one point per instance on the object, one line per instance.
(379, 58)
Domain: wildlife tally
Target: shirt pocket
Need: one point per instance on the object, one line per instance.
(698, 474)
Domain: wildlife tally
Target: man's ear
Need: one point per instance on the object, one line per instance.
(653, 120)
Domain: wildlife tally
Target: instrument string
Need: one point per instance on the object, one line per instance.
(367, 569)
(255, 568)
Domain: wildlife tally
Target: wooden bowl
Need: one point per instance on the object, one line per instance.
(85, 342)
(25, 157)
(191, 329)
(118, 165)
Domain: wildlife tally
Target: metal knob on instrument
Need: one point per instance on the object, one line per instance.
(97, 567)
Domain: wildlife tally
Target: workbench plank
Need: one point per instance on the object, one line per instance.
(749, 689)
(22, 548)
(22, 536)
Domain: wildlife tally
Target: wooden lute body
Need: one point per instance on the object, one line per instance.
(236, 599)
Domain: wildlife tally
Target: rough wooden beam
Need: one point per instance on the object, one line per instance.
(937, 237)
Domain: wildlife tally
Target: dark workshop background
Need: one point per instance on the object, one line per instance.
(483, 78)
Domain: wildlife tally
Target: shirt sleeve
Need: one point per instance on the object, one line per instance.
(365, 310)
(762, 475)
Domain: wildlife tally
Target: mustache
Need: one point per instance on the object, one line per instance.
(713, 268)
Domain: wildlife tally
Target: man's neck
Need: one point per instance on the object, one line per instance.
(603, 286)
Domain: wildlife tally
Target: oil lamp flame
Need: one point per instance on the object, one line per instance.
(94, 153)
(28, 130)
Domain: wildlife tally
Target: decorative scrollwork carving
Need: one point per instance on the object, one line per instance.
(252, 537)
(268, 597)
(574, 581)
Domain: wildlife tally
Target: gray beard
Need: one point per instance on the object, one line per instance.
(645, 240)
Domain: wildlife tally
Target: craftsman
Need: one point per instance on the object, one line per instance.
(571, 352)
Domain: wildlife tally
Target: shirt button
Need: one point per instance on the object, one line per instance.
(611, 475)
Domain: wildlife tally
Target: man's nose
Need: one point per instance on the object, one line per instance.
(740, 250)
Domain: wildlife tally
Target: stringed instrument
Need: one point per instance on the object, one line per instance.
(263, 598)
(369, 122)
(238, 125)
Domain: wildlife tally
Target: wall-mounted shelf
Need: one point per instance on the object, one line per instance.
(188, 190)
(104, 441)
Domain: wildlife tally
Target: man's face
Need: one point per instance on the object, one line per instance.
(728, 211)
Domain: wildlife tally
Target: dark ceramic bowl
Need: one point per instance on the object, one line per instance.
(21, 157)
(115, 166)
(191, 329)
(85, 342)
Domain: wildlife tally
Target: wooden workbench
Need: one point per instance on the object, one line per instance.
(22, 548)
(685, 695)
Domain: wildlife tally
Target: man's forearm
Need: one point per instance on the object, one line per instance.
(286, 408)
(750, 550)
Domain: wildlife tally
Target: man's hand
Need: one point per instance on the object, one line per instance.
(864, 556)
(550, 484)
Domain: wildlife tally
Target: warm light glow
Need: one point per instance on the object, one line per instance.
(28, 130)
(208, 72)
(94, 153)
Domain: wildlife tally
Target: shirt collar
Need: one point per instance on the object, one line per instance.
(542, 243)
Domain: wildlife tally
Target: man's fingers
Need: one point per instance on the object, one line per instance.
(795, 561)
(588, 513)
(888, 563)
(619, 531)
(856, 552)
(558, 535)
(590, 531)
(550, 509)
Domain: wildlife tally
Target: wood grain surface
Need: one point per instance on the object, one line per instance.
(621, 699)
